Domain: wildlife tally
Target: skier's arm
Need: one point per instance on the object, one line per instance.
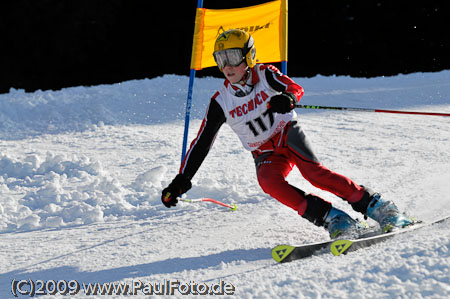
(201, 145)
(291, 92)
(282, 83)
(197, 153)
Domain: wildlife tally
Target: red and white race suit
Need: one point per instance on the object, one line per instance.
(276, 140)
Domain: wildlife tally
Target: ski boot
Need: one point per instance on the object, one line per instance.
(337, 222)
(387, 214)
(340, 224)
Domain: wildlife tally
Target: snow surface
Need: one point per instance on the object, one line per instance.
(81, 171)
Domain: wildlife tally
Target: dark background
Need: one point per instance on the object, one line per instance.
(51, 44)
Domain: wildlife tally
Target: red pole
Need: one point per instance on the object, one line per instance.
(371, 110)
(412, 112)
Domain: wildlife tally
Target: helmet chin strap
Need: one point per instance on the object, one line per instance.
(243, 87)
(244, 79)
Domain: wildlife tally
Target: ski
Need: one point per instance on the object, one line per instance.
(343, 246)
(287, 253)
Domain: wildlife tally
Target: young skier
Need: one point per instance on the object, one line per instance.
(257, 102)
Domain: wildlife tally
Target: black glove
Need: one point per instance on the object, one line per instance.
(282, 103)
(179, 185)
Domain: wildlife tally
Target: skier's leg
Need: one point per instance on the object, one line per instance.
(317, 174)
(323, 178)
(362, 199)
(271, 172)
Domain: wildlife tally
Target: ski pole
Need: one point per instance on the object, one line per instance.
(370, 110)
(232, 207)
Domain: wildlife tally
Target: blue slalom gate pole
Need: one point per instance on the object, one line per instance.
(188, 113)
(189, 103)
(284, 67)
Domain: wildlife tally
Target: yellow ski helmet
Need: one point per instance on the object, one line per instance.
(232, 47)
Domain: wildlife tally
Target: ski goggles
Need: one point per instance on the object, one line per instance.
(231, 57)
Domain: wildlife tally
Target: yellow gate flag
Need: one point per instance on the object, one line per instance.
(267, 23)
